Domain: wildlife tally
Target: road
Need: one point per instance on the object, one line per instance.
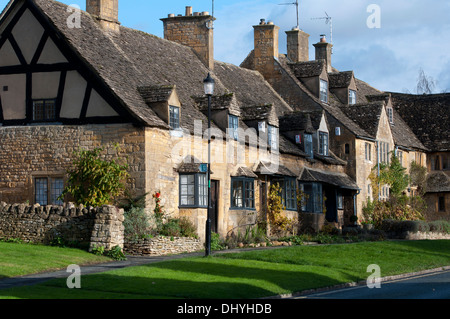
(427, 286)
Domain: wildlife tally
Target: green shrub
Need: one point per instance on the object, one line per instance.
(216, 243)
(440, 226)
(116, 253)
(188, 228)
(98, 250)
(136, 224)
(171, 228)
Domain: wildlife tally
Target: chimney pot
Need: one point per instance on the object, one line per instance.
(262, 21)
(171, 15)
(205, 13)
(323, 38)
(188, 11)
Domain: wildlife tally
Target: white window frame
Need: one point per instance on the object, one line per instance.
(351, 97)
(323, 91)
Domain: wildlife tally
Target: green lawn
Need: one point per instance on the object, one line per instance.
(249, 274)
(24, 259)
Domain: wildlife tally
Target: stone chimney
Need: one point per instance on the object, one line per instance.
(195, 30)
(323, 52)
(106, 12)
(297, 45)
(266, 48)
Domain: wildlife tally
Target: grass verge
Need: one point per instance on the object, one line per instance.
(249, 274)
(25, 259)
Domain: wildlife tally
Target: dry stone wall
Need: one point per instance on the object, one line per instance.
(161, 246)
(88, 227)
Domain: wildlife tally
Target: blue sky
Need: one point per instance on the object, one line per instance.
(414, 34)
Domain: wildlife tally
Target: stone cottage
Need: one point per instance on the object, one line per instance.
(365, 128)
(67, 85)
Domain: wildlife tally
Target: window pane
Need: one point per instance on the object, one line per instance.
(50, 110)
(41, 191)
(233, 126)
(56, 189)
(174, 120)
(237, 195)
(202, 190)
(38, 110)
(324, 91)
(250, 194)
(309, 145)
(187, 190)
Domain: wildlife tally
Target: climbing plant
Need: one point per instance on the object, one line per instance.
(275, 207)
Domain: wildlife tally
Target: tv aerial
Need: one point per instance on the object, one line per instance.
(296, 5)
(328, 20)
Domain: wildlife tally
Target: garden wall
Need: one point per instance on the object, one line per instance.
(88, 227)
(161, 246)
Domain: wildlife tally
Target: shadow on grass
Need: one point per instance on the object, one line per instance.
(183, 279)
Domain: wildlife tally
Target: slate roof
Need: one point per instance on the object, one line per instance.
(437, 182)
(301, 121)
(366, 115)
(340, 180)
(340, 79)
(428, 116)
(307, 69)
(131, 61)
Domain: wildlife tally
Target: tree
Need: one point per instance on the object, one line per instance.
(425, 84)
(95, 181)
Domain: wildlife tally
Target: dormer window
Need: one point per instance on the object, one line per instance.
(323, 143)
(272, 137)
(390, 114)
(324, 91)
(351, 97)
(174, 117)
(233, 126)
(44, 110)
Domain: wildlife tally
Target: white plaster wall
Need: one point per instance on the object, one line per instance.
(13, 101)
(7, 55)
(45, 85)
(27, 33)
(73, 96)
(99, 107)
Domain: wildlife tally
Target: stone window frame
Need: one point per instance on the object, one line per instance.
(50, 197)
(368, 152)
